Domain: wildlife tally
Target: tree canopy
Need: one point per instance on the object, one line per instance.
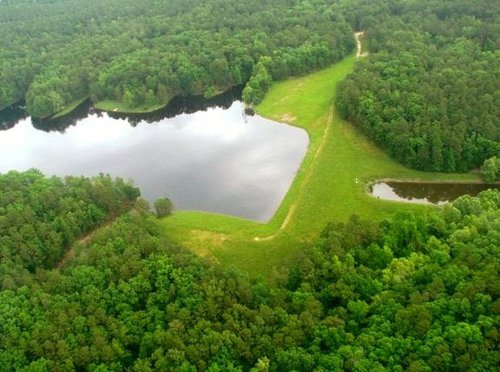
(417, 292)
(41, 217)
(490, 170)
(146, 52)
(428, 91)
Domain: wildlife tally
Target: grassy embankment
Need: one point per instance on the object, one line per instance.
(117, 106)
(331, 184)
(68, 109)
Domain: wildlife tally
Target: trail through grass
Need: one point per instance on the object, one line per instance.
(330, 186)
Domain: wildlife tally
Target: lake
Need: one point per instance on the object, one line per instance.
(426, 192)
(203, 155)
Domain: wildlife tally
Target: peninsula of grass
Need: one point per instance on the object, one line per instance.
(121, 107)
(331, 185)
(68, 109)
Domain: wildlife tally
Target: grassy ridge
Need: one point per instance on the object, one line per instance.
(330, 186)
(121, 107)
(68, 109)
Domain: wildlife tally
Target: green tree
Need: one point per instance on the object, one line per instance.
(490, 170)
(142, 206)
(163, 207)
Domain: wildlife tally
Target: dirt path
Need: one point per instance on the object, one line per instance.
(358, 36)
(293, 207)
(70, 253)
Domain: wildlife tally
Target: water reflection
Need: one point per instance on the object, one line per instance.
(426, 193)
(12, 115)
(183, 105)
(66, 121)
(217, 160)
(178, 105)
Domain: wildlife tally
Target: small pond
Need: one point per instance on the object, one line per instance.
(203, 155)
(426, 193)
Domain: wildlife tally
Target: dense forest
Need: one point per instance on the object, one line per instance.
(143, 53)
(417, 292)
(41, 217)
(428, 91)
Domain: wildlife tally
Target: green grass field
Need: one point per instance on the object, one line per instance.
(121, 107)
(331, 184)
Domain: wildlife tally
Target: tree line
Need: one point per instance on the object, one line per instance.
(416, 292)
(54, 53)
(428, 91)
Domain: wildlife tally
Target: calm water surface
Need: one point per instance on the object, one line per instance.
(426, 193)
(214, 159)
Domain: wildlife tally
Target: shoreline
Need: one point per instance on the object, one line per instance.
(67, 110)
(473, 181)
(120, 107)
(369, 188)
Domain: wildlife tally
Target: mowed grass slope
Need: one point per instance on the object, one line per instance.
(117, 106)
(330, 186)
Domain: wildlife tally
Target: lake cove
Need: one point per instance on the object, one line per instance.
(426, 192)
(214, 159)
